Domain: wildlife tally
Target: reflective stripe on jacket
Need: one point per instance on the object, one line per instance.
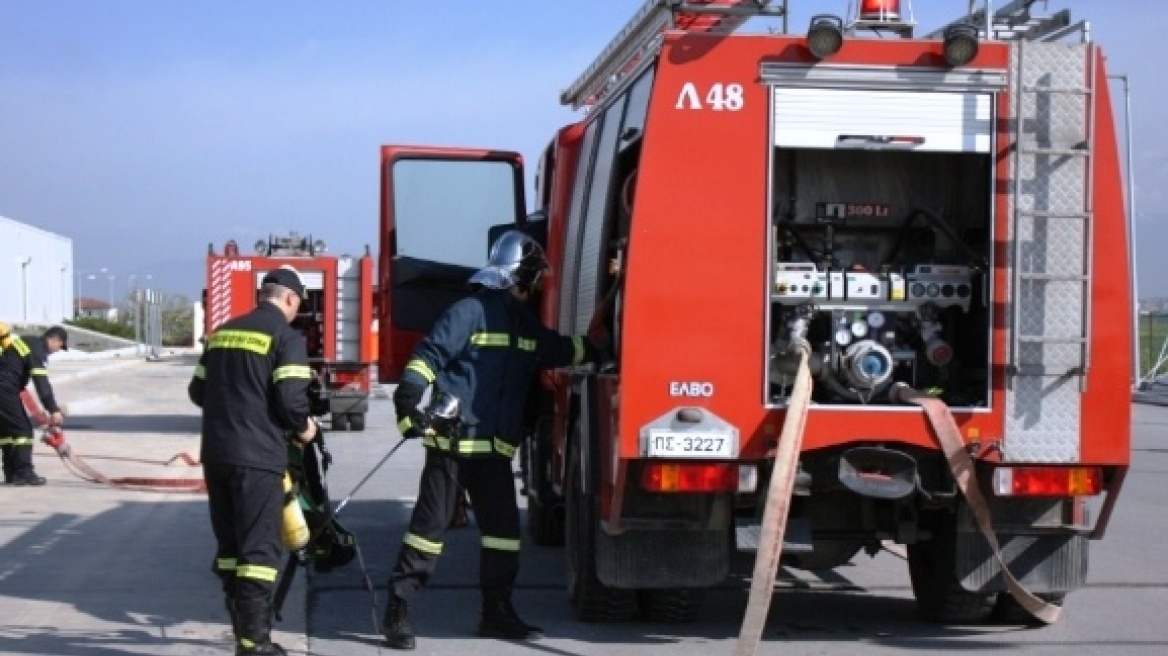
(252, 384)
(485, 350)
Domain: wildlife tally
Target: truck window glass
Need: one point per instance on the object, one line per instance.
(436, 201)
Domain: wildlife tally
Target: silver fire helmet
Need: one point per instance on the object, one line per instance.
(515, 259)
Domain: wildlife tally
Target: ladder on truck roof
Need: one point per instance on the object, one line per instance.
(1014, 21)
(641, 37)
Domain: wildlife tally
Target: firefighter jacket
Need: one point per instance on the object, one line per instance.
(22, 360)
(484, 350)
(251, 383)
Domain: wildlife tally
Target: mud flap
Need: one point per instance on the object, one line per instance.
(1041, 563)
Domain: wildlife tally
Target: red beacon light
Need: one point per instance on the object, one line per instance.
(880, 10)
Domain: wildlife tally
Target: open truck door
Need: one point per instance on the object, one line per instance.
(438, 208)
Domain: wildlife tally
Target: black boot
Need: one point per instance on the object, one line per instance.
(501, 621)
(253, 628)
(27, 478)
(396, 627)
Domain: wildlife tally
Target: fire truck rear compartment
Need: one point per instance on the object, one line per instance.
(879, 263)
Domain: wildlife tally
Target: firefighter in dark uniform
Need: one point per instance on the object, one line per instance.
(252, 383)
(483, 352)
(21, 360)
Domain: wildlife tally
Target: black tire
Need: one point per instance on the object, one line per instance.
(672, 605)
(357, 421)
(340, 421)
(940, 597)
(1008, 611)
(591, 600)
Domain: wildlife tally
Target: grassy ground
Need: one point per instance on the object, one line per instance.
(1153, 334)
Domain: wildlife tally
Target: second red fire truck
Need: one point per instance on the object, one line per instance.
(336, 318)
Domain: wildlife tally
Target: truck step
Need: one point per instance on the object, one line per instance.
(797, 538)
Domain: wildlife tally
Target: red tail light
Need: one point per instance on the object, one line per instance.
(1048, 481)
(690, 477)
(880, 10)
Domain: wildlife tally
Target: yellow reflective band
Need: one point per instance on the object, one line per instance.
(526, 344)
(291, 371)
(39, 372)
(490, 339)
(405, 424)
(500, 544)
(422, 369)
(422, 544)
(246, 643)
(225, 564)
(246, 340)
(21, 348)
(200, 372)
(16, 441)
(506, 450)
(257, 572)
(436, 442)
(578, 350)
(474, 446)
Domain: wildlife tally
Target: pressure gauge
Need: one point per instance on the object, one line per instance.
(860, 329)
(876, 320)
(843, 336)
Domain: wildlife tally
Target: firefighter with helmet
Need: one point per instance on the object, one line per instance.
(480, 357)
(252, 384)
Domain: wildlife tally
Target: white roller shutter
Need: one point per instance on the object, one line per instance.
(933, 121)
(313, 280)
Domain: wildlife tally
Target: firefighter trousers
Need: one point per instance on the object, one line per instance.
(16, 435)
(490, 484)
(246, 505)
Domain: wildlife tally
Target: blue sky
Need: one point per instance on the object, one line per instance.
(145, 130)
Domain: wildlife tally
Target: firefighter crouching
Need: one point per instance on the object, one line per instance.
(252, 383)
(22, 360)
(480, 356)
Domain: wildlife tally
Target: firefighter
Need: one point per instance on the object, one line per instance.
(482, 352)
(252, 384)
(21, 360)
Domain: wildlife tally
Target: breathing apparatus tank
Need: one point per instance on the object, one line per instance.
(294, 529)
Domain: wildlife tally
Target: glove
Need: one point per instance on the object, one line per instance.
(419, 425)
(405, 402)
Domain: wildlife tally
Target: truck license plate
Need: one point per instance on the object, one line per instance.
(676, 444)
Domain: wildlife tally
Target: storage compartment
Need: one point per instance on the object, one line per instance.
(880, 257)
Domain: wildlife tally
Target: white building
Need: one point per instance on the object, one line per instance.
(36, 274)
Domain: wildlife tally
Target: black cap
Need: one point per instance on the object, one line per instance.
(286, 276)
(61, 334)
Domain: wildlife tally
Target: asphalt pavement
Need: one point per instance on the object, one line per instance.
(97, 570)
(94, 570)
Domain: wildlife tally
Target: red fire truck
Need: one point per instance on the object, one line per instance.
(336, 318)
(887, 209)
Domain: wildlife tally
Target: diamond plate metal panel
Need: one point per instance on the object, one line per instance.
(1049, 233)
(1042, 423)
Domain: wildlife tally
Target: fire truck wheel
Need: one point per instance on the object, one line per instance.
(340, 421)
(357, 421)
(591, 600)
(1008, 611)
(673, 606)
(940, 597)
